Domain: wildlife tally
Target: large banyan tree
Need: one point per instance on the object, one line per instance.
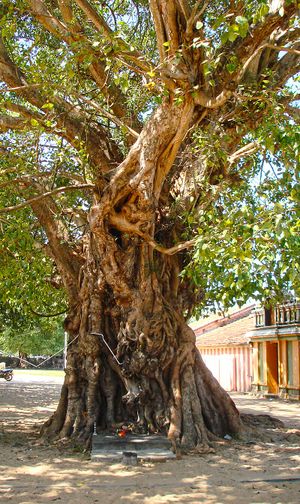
(122, 124)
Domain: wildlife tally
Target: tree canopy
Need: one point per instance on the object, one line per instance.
(79, 81)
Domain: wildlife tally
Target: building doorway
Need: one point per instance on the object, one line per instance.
(272, 367)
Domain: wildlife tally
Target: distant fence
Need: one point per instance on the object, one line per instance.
(56, 362)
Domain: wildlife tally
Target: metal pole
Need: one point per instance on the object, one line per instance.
(65, 349)
(107, 345)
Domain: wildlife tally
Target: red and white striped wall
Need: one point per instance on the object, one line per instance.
(231, 366)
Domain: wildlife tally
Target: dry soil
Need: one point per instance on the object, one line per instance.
(263, 469)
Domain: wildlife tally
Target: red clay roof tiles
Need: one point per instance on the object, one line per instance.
(226, 331)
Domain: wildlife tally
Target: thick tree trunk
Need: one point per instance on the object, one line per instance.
(146, 369)
(157, 380)
(23, 360)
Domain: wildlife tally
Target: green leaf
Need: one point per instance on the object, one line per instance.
(218, 22)
(231, 67)
(48, 106)
(241, 20)
(233, 33)
(224, 37)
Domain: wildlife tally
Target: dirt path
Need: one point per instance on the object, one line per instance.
(287, 411)
(264, 470)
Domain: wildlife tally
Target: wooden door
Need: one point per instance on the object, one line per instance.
(272, 367)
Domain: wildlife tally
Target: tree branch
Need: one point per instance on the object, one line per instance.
(12, 123)
(110, 116)
(96, 19)
(28, 178)
(286, 67)
(284, 49)
(97, 69)
(73, 123)
(246, 150)
(61, 249)
(293, 112)
(196, 15)
(67, 13)
(170, 21)
(168, 156)
(48, 315)
(120, 222)
(45, 195)
(159, 28)
(23, 111)
(185, 9)
(289, 50)
(173, 250)
(100, 24)
(259, 38)
(19, 88)
(200, 98)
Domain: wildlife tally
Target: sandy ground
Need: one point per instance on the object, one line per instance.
(265, 469)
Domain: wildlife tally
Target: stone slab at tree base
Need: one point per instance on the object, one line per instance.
(146, 447)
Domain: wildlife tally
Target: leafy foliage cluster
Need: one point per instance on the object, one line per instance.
(29, 335)
(248, 243)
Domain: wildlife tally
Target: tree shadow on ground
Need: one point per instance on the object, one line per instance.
(262, 470)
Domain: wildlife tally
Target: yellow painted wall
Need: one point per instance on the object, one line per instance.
(265, 372)
(255, 362)
(283, 364)
(296, 364)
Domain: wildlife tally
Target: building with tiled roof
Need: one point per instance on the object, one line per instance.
(275, 342)
(229, 330)
(254, 350)
(225, 349)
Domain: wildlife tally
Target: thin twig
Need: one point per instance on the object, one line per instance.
(258, 50)
(47, 315)
(17, 88)
(45, 195)
(109, 115)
